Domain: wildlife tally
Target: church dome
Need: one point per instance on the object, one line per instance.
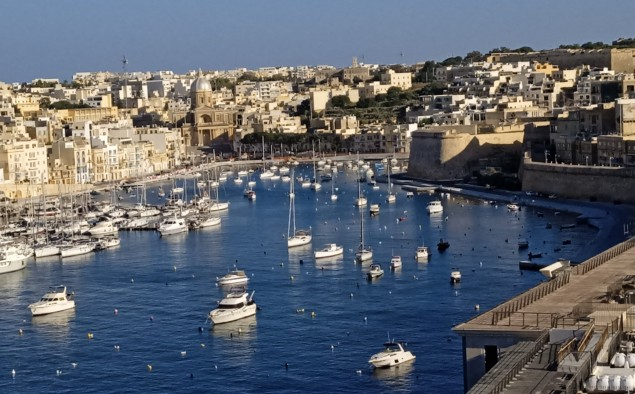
(201, 84)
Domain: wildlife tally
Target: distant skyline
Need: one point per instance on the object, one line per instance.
(55, 39)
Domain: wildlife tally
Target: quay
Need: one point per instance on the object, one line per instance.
(552, 338)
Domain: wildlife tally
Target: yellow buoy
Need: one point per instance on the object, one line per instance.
(89, 335)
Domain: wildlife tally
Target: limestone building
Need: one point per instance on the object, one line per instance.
(204, 125)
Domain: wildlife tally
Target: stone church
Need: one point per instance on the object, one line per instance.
(204, 125)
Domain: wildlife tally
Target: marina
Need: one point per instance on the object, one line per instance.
(317, 317)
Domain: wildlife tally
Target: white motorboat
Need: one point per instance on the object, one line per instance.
(393, 355)
(56, 300)
(13, 258)
(374, 209)
(77, 249)
(102, 228)
(329, 250)
(235, 277)
(375, 271)
(238, 181)
(251, 195)
(107, 242)
(395, 262)
(305, 183)
(434, 207)
(455, 276)
(174, 225)
(422, 253)
(266, 174)
(513, 207)
(236, 305)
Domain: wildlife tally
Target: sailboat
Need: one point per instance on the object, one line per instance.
(364, 252)
(315, 183)
(216, 205)
(333, 195)
(392, 197)
(298, 237)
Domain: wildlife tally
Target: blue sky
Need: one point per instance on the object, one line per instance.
(45, 38)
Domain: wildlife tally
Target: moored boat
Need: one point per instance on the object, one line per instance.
(393, 355)
(235, 277)
(329, 250)
(236, 305)
(56, 300)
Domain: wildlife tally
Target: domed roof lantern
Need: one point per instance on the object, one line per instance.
(200, 84)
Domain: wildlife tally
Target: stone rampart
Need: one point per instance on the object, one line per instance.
(580, 182)
(444, 154)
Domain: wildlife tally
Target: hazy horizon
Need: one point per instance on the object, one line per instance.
(58, 39)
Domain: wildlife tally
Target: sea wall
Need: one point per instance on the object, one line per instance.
(579, 182)
(446, 154)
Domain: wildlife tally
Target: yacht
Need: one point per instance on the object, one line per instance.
(218, 206)
(393, 355)
(56, 300)
(455, 276)
(13, 258)
(434, 207)
(107, 242)
(76, 249)
(235, 277)
(102, 228)
(375, 271)
(422, 253)
(395, 262)
(173, 225)
(236, 305)
(329, 250)
(209, 222)
(47, 250)
(295, 237)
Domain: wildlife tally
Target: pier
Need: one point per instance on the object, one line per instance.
(551, 337)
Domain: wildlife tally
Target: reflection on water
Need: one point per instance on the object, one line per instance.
(330, 263)
(13, 280)
(55, 325)
(396, 376)
(79, 259)
(243, 329)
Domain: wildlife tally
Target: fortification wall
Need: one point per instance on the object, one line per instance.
(580, 182)
(439, 155)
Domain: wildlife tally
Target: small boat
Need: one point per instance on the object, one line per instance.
(235, 277)
(434, 207)
(523, 243)
(77, 249)
(455, 276)
(442, 245)
(375, 271)
(235, 306)
(374, 209)
(56, 300)
(107, 242)
(513, 207)
(329, 250)
(395, 262)
(393, 355)
(410, 195)
(173, 225)
(531, 255)
(161, 193)
(422, 253)
(361, 202)
(209, 222)
(251, 195)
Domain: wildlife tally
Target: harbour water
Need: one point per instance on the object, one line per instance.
(145, 301)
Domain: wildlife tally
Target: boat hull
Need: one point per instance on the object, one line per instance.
(299, 240)
(392, 360)
(47, 251)
(322, 254)
(7, 266)
(47, 309)
(220, 316)
(77, 250)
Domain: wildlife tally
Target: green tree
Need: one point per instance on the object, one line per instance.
(435, 87)
(44, 102)
(340, 101)
(425, 73)
(452, 61)
(393, 93)
(474, 56)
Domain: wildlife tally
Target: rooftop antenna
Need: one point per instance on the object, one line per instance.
(124, 67)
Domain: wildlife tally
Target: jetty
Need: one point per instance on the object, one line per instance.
(552, 337)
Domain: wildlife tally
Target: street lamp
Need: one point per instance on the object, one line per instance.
(587, 159)
(546, 156)
(611, 161)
